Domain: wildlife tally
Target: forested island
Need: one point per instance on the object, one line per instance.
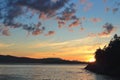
(8, 59)
(107, 59)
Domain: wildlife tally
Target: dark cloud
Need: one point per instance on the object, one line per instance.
(108, 29)
(45, 6)
(114, 10)
(68, 13)
(61, 24)
(5, 31)
(10, 10)
(107, 9)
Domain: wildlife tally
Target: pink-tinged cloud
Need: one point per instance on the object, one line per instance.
(71, 30)
(61, 24)
(83, 18)
(83, 1)
(92, 35)
(95, 20)
(5, 31)
(104, 1)
(66, 16)
(82, 29)
(43, 16)
(88, 6)
(37, 32)
(50, 33)
(75, 23)
(38, 24)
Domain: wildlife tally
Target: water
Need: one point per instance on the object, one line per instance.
(48, 72)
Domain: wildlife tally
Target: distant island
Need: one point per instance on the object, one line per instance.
(107, 59)
(7, 59)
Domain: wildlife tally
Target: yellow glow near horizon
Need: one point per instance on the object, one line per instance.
(92, 60)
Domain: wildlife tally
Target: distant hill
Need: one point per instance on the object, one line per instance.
(7, 59)
(107, 59)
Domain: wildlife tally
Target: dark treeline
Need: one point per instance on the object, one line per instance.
(7, 59)
(107, 59)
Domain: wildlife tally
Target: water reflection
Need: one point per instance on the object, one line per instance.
(12, 77)
(103, 77)
(48, 72)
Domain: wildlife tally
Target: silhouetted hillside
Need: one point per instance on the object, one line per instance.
(7, 59)
(107, 59)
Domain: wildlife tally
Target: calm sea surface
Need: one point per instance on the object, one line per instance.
(48, 72)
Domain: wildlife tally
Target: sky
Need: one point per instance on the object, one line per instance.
(67, 29)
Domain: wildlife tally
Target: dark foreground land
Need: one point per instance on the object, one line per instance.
(107, 59)
(7, 59)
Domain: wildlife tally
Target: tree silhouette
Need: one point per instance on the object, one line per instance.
(107, 59)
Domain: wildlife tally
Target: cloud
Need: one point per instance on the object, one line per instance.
(75, 23)
(54, 1)
(3, 45)
(12, 10)
(61, 24)
(82, 29)
(95, 20)
(88, 6)
(108, 29)
(50, 33)
(5, 31)
(68, 14)
(76, 46)
(83, 1)
(43, 16)
(37, 32)
(46, 6)
(114, 10)
(104, 1)
(107, 9)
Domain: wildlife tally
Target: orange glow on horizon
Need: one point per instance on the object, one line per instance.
(83, 58)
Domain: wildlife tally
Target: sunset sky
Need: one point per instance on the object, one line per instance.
(68, 29)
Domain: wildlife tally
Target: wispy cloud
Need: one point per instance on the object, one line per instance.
(95, 20)
(81, 46)
(88, 6)
(3, 45)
